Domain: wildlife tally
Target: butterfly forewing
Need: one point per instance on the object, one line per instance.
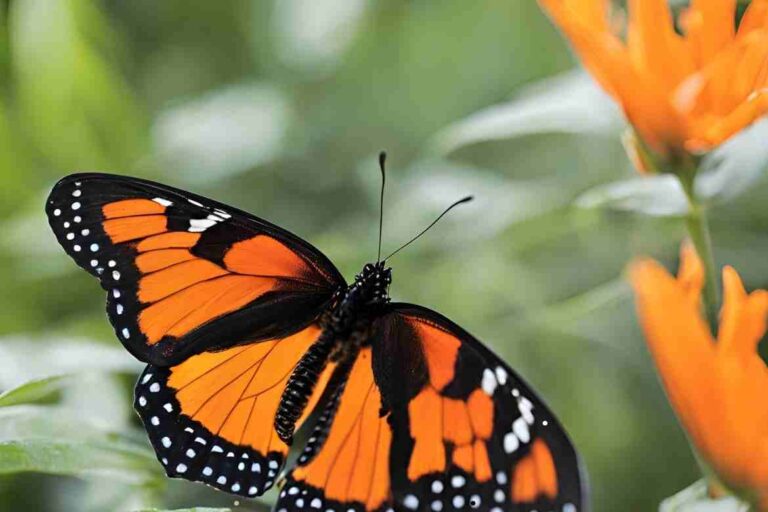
(184, 273)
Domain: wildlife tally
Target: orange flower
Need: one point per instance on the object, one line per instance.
(688, 91)
(719, 390)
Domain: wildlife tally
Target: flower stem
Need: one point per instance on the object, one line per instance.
(698, 230)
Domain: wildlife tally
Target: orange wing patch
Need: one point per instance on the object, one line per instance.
(436, 421)
(211, 418)
(161, 259)
(125, 229)
(535, 475)
(131, 208)
(173, 316)
(170, 240)
(181, 291)
(467, 425)
(264, 256)
(352, 466)
(440, 351)
(222, 390)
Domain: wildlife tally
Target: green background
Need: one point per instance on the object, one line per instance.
(279, 108)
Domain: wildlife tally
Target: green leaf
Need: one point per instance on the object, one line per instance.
(653, 195)
(90, 115)
(33, 391)
(695, 499)
(21, 422)
(725, 173)
(569, 103)
(26, 358)
(226, 132)
(312, 35)
(734, 167)
(121, 461)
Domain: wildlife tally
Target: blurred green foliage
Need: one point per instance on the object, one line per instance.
(278, 107)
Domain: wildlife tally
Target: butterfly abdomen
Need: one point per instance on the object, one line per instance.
(346, 327)
(301, 383)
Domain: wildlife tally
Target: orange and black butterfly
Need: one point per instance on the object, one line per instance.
(250, 333)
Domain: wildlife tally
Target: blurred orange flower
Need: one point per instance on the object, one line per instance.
(681, 91)
(718, 389)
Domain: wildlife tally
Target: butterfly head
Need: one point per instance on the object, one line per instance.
(373, 282)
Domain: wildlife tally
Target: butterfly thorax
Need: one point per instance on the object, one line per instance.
(346, 326)
(370, 290)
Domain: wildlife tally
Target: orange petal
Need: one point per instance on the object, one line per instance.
(654, 46)
(690, 275)
(711, 131)
(679, 341)
(755, 17)
(585, 23)
(643, 98)
(743, 318)
(710, 27)
(728, 79)
(717, 390)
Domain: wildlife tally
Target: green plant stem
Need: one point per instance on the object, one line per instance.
(698, 229)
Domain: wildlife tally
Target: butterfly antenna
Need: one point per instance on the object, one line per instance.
(382, 162)
(409, 242)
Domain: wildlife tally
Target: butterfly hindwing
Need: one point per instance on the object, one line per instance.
(346, 464)
(211, 417)
(468, 433)
(184, 273)
(431, 420)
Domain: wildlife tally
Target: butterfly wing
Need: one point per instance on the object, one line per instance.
(211, 417)
(431, 420)
(184, 273)
(345, 465)
(468, 432)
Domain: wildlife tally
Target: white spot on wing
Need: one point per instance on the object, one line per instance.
(197, 225)
(511, 442)
(411, 502)
(520, 428)
(489, 382)
(163, 202)
(526, 407)
(501, 375)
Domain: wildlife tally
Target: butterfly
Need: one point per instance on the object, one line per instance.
(250, 334)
